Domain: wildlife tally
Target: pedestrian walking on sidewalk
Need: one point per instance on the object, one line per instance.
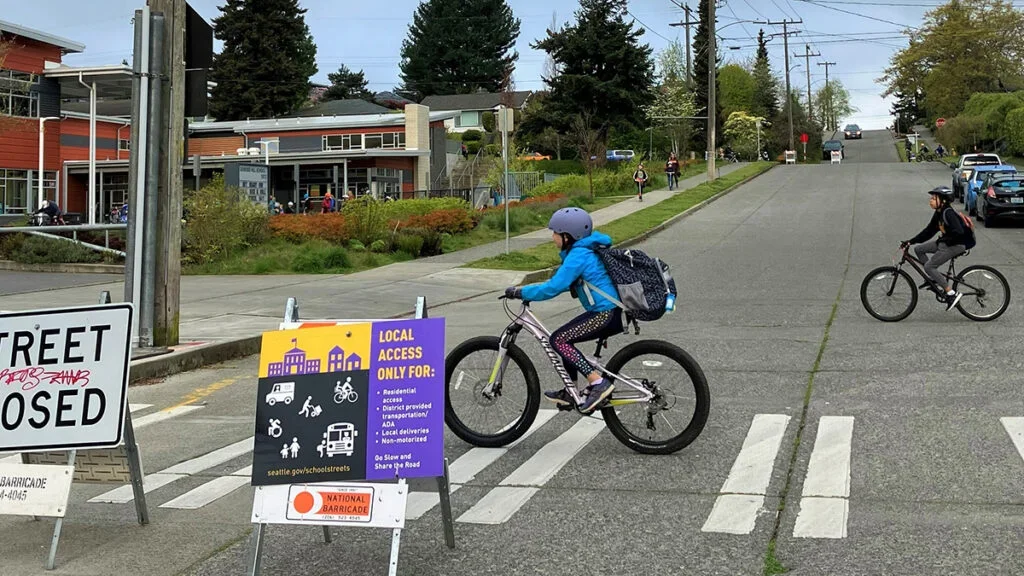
(640, 177)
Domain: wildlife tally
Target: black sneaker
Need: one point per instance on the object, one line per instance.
(952, 300)
(560, 397)
(596, 396)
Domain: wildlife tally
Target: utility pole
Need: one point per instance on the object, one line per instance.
(828, 113)
(807, 64)
(171, 134)
(686, 24)
(712, 76)
(785, 40)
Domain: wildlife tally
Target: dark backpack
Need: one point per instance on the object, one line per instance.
(970, 241)
(643, 283)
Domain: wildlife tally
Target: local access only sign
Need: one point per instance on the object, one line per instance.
(360, 401)
(64, 377)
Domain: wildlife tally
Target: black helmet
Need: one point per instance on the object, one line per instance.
(942, 192)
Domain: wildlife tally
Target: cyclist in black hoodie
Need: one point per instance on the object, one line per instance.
(949, 244)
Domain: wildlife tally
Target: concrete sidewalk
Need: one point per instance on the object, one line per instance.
(216, 309)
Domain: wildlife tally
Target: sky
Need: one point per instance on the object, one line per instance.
(364, 36)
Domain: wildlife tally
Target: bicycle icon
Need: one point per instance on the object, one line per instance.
(345, 392)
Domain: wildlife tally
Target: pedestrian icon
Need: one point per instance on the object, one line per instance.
(295, 447)
(274, 430)
(308, 410)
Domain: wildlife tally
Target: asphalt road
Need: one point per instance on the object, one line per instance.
(889, 448)
(29, 282)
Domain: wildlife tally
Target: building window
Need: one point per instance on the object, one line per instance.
(468, 120)
(334, 142)
(377, 140)
(374, 141)
(16, 95)
(124, 144)
(15, 191)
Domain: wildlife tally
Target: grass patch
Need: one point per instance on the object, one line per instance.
(902, 151)
(282, 257)
(627, 227)
(772, 566)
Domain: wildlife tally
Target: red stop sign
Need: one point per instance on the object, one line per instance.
(803, 138)
(939, 123)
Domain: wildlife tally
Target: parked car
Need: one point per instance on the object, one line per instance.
(965, 165)
(828, 146)
(619, 155)
(977, 182)
(1003, 198)
(851, 131)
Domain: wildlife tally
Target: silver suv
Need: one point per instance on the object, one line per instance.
(962, 170)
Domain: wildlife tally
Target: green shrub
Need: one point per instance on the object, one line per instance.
(492, 149)
(471, 136)
(472, 147)
(368, 219)
(379, 246)
(357, 246)
(409, 243)
(38, 250)
(221, 220)
(404, 209)
(489, 121)
(320, 258)
(518, 218)
(433, 241)
(559, 166)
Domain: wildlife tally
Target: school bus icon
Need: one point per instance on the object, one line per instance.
(340, 439)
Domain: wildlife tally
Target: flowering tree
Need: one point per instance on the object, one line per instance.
(674, 98)
(742, 133)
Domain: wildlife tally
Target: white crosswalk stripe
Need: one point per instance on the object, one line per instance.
(150, 482)
(467, 466)
(1015, 428)
(503, 501)
(210, 491)
(742, 496)
(150, 419)
(824, 503)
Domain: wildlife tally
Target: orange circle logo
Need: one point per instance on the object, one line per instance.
(303, 502)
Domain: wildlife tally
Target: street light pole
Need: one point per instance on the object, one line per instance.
(828, 114)
(712, 75)
(807, 64)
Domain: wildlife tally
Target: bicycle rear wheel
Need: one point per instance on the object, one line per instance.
(501, 416)
(986, 293)
(676, 415)
(888, 294)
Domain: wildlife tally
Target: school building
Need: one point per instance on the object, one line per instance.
(65, 135)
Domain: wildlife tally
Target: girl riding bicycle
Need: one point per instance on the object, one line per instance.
(572, 232)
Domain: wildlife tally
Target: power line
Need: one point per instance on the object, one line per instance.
(815, 3)
(646, 27)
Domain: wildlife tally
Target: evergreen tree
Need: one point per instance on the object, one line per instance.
(346, 84)
(766, 85)
(268, 57)
(604, 70)
(700, 80)
(459, 47)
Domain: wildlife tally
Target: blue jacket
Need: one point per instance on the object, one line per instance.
(580, 261)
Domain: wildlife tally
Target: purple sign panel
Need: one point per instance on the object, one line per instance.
(351, 402)
(405, 421)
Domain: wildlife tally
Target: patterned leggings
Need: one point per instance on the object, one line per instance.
(584, 328)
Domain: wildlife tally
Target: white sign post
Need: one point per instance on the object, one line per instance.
(63, 387)
(836, 157)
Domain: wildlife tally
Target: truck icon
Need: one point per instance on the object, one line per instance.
(282, 392)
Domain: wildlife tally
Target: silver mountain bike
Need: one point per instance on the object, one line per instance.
(660, 403)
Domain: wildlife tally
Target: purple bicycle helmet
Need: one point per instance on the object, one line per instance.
(572, 221)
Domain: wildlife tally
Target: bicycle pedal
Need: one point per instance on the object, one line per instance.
(566, 407)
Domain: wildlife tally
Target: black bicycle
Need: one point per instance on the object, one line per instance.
(890, 295)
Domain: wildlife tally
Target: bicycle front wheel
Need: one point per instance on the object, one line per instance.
(888, 294)
(489, 416)
(677, 413)
(986, 293)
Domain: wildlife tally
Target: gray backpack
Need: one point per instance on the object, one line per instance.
(643, 283)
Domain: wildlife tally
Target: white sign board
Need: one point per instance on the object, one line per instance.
(35, 490)
(837, 157)
(64, 377)
(332, 503)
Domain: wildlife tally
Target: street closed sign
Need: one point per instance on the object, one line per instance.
(64, 377)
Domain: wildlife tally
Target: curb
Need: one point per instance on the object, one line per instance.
(11, 266)
(544, 274)
(192, 358)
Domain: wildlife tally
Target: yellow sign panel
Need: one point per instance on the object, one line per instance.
(315, 350)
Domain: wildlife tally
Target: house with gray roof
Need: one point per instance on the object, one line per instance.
(471, 107)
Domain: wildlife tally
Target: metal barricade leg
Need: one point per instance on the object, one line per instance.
(443, 491)
(255, 559)
(51, 560)
(396, 539)
(131, 450)
(327, 534)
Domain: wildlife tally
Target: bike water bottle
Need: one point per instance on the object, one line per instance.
(670, 302)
